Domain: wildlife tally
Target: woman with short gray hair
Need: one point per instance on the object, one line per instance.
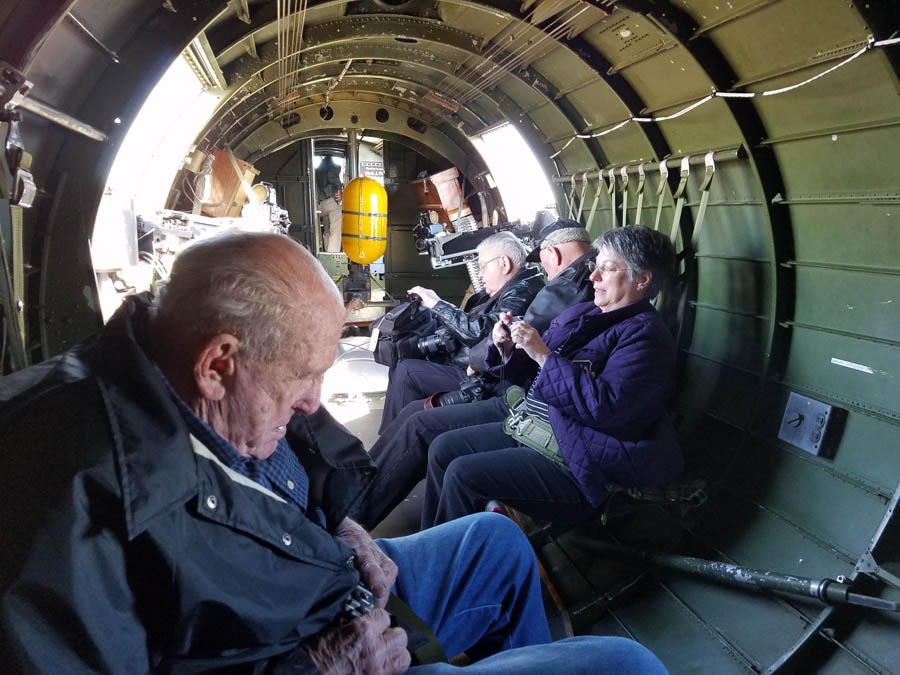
(595, 412)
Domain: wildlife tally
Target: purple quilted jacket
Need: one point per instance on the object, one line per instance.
(607, 383)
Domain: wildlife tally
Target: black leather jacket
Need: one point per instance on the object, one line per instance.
(469, 328)
(567, 288)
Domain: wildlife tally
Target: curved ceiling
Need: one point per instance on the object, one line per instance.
(800, 224)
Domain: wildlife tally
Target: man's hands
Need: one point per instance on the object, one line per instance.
(521, 335)
(429, 297)
(365, 645)
(338, 196)
(368, 644)
(502, 336)
(378, 572)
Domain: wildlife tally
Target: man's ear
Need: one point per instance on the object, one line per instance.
(507, 264)
(214, 366)
(557, 255)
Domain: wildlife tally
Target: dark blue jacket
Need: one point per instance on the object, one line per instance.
(607, 383)
(128, 547)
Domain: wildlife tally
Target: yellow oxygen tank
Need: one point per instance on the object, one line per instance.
(364, 221)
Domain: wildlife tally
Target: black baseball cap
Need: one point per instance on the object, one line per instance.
(558, 232)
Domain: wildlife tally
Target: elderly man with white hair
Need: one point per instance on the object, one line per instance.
(174, 500)
(509, 286)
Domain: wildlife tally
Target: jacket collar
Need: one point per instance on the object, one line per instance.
(574, 318)
(154, 456)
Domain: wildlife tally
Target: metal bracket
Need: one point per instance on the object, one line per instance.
(868, 565)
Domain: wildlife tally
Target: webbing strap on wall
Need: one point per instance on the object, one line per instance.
(8, 300)
(18, 264)
(679, 196)
(611, 190)
(572, 199)
(624, 174)
(709, 161)
(663, 180)
(640, 194)
(600, 186)
(584, 183)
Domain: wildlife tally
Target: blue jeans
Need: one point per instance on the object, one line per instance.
(475, 582)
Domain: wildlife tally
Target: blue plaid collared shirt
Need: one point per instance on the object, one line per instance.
(282, 472)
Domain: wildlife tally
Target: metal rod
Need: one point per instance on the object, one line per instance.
(830, 591)
(54, 115)
(724, 155)
(109, 53)
(352, 155)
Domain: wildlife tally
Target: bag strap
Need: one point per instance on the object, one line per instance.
(428, 652)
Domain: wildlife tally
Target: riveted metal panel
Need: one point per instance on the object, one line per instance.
(852, 167)
(865, 97)
(774, 478)
(739, 285)
(672, 78)
(783, 32)
(856, 302)
(847, 234)
(735, 613)
(471, 20)
(626, 37)
(677, 635)
(704, 128)
(524, 96)
(786, 549)
(596, 102)
(866, 454)
(629, 145)
(856, 370)
(735, 339)
(709, 385)
(563, 69)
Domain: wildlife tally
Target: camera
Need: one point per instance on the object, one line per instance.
(439, 341)
(471, 389)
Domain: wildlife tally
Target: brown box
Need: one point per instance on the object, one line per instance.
(440, 193)
(227, 196)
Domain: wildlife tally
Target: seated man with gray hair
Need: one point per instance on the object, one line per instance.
(509, 286)
(176, 501)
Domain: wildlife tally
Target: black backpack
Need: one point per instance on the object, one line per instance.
(399, 331)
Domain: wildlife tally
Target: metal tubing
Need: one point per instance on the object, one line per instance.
(826, 590)
(724, 155)
(352, 155)
(61, 118)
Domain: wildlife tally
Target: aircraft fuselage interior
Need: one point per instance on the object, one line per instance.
(761, 136)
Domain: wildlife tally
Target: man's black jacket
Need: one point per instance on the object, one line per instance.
(469, 328)
(566, 289)
(128, 546)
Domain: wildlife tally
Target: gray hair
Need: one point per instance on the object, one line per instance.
(505, 244)
(246, 284)
(642, 250)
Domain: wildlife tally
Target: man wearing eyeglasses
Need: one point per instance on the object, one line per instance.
(508, 287)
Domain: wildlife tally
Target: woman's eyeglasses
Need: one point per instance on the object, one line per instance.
(605, 268)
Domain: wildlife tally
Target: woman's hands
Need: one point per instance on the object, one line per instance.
(509, 334)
